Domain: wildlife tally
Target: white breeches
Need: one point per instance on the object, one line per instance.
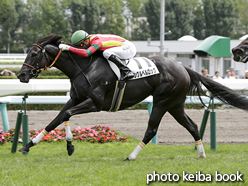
(126, 51)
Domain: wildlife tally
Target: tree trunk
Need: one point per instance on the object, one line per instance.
(9, 39)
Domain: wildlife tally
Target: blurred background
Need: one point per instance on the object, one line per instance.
(186, 24)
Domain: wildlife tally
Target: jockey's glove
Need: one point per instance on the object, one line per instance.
(64, 47)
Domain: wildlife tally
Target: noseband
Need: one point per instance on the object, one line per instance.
(36, 70)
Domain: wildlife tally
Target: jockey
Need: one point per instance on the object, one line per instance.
(115, 49)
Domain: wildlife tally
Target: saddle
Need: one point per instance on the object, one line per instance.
(141, 67)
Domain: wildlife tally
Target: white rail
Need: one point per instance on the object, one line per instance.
(14, 86)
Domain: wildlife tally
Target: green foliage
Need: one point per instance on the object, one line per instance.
(152, 12)
(10, 18)
(198, 22)
(113, 22)
(102, 164)
(241, 17)
(22, 23)
(41, 19)
(178, 18)
(77, 10)
(219, 17)
(142, 31)
(92, 14)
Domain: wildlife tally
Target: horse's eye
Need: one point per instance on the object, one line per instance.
(33, 54)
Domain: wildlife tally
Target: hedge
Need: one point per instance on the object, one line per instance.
(50, 72)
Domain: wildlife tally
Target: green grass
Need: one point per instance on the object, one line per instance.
(102, 164)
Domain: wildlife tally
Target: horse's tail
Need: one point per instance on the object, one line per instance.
(223, 93)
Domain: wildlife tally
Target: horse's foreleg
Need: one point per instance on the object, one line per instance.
(84, 107)
(58, 120)
(70, 147)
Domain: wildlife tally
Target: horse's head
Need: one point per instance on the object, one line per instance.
(38, 59)
(240, 53)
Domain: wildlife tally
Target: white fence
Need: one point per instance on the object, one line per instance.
(14, 86)
(13, 56)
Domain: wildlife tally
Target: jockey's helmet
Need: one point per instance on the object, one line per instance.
(79, 36)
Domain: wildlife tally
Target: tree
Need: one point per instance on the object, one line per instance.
(178, 18)
(137, 20)
(198, 22)
(92, 16)
(77, 14)
(241, 7)
(96, 16)
(9, 21)
(41, 19)
(111, 21)
(219, 17)
(152, 12)
(141, 32)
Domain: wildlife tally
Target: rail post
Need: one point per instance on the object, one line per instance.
(17, 131)
(213, 144)
(3, 107)
(25, 135)
(22, 119)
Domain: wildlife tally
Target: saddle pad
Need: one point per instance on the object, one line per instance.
(140, 66)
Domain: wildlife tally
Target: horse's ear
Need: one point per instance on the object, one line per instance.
(55, 39)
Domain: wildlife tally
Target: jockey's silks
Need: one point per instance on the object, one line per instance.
(99, 42)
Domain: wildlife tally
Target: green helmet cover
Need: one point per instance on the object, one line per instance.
(79, 36)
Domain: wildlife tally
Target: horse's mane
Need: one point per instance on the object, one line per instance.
(50, 39)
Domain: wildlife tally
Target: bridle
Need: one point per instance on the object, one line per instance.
(36, 69)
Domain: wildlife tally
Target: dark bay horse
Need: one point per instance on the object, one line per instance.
(93, 84)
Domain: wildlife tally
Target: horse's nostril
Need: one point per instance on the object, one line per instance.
(238, 51)
(21, 75)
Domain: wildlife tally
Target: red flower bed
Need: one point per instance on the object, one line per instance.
(94, 134)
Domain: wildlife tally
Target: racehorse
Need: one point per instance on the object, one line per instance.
(240, 52)
(93, 84)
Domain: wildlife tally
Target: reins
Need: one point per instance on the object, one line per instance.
(81, 72)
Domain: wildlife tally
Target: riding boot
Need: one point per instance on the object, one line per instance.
(126, 73)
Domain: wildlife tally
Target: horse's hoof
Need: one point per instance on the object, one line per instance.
(70, 148)
(24, 149)
(202, 155)
(127, 159)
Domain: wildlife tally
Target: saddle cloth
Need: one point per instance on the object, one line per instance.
(140, 66)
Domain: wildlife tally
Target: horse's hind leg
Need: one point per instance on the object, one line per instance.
(154, 120)
(179, 114)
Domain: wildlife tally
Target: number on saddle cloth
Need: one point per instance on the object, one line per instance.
(140, 66)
